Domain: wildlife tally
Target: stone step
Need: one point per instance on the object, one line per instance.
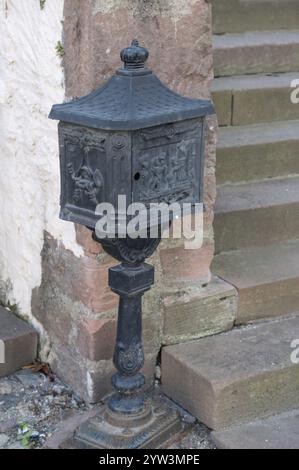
(18, 341)
(193, 312)
(251, 153)
(256, 214)
(254, 15)
(256, 52)
(267, 279)
(235, 377)
(251, 99)
(279, 432)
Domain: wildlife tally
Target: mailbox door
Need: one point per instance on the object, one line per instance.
(95, 167)
(168, 163)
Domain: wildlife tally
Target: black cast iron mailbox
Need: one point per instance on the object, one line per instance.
(136, 138)
(133, 137)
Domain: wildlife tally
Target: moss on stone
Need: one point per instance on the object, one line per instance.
(60, 49)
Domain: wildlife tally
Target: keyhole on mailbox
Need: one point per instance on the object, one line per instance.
(137, 176)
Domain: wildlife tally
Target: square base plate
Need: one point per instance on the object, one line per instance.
(98, 433)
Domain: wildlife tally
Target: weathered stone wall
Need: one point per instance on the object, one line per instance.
(74, 303)
(178, 35)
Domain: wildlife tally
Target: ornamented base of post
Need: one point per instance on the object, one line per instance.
(149, 430)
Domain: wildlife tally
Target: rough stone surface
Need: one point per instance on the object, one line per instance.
(254, 99)
(174, 9)
(276, 433)
(84, 238)
(184, 266)
(235, 377)
(191, 314)
(20, 342)
(256, 214)
(251, 153)
(91, 380)
(97, 338)
(171, 33)
(256, 52)
(266, 279)
(234, 16)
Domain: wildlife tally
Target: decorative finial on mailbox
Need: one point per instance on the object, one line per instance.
(135, 56)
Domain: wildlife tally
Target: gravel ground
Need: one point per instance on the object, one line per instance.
(32, 407)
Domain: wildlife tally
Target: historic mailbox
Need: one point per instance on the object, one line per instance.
(132, 137)
(136, 138)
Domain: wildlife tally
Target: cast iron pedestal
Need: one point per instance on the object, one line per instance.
(129, 420)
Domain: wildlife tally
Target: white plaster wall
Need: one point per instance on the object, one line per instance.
(31, 80)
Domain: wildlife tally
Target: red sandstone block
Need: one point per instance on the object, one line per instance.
(179, 264)
(84, 238)
(97, 338)
(93, 289)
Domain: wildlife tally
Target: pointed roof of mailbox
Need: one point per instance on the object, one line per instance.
(134, 98)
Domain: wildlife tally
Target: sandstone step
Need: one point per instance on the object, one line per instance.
(18, 341)
(279, 432)
(254, 15)
(256, 52)
(251, 153)
(194, 312)
(251, 99)
(235, 377)
(256, 214)
(267, 279)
